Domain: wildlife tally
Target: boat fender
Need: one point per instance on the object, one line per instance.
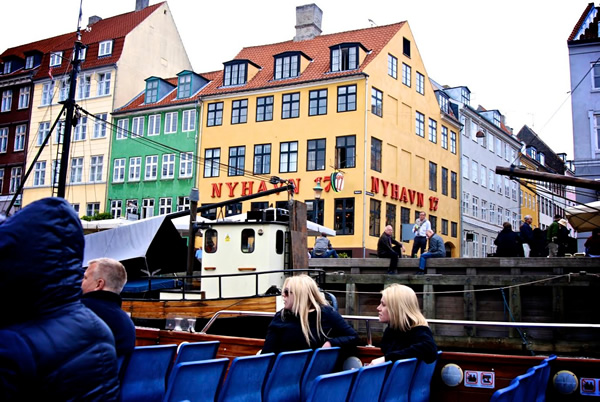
(565, 382)
(452, 374)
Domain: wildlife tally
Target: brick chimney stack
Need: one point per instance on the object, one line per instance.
(308, 22)
(93, 19)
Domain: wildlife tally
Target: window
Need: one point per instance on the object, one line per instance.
(60, 132)
(116, 208)
(317, 102)
(119, 170)
(19, 138)
(132, 208)
(262, 159)
(64, 89)
(315, 159)
(165, 205)
(465, 203)
(484, 246)
(184, 86)
(444, 182)
(287, 66)
(345, 152)
(453, 142)
(444, 137)
(390, 215)
(432, 176)
(55, 59)
(122, 128)
(151, 91)
(237, 160)
(92, 208)
(475, 245)
(135, 167)
(499, 215)
(239, 111)
(3, 139)
(405, 215)
(7, 67)
(183, 203)
(96, 166)
(474, 172)
(465, 166)
(421, 89)
(24, 97)
(406, 73)
(491, 179)
(210, 241)
(346, 98)
(168, 166)
(406, 47)
(171, 122)
(420, 124)
(137, 126)
(47, 93)
(392, 66)
(290, 105)
(105, 48)
(442, 99)
(499, 184)
(104, 83)
(445, 227)
(6, 100)
(453, 185)
(475, 203)
(344, 57)
(264, 108)
(55, 171)
(151, 168)
(484, 209)
(376, 102)
(433, 131)
(344, 216)
(147, 208)
(454, 229)
(43, 132)
(76, 170)
(188, 120)
(514, 190)
(506, 187)
(154, 124)
(100, 125)
(376, 154)
(235, 74)
(186, 164)
(15, 179)
(482, 175)
(80, 133)
(506, 151)
(288, 157)
(375, 218)
(490, 142)
(248, 238)
(433, 221)
(215, 114)
(212, 160)
(39, 174)
(499, 147)
(29, 62)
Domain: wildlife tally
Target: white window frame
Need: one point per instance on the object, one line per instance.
(186, 164)
(122, 129)
(474, 171)
(100, 125)
(80, 132)
(3, 139)
(171, 122)
(39, 174)
(188, 120)
(84, 86)
(15, 179)
(154, 124)
(47, 93)
(76, 170)
(165, 205)
(63, 92)
(105, 48)
(29, 62)
(119, 170)
(116, 208)
(147, 208)
(104, 83)
(6, 100)
(96, 167)
(137, 126)
(24, 96)
(168, 166)
(135, 168)
(43, 130)
(55, 59)
(151, 167)
(20, 132)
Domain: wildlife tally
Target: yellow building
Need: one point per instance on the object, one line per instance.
(118, 51)
(357, 102)
(529, 190)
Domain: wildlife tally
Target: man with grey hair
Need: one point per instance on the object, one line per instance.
(102, 284)
(526, 234)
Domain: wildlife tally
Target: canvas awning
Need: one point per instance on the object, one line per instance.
(584, 218)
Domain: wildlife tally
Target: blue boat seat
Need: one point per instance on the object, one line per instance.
(145, 376)
(506, 394)
(397, 384)
(196, 351)
(332, 387)
(283, 383)
(245, 379)
(196, 381)
(322, 361)
(420, 387)
(369, 383)
(544, 378)
(526, 391)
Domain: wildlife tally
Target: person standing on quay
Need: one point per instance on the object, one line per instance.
(422, 225)
(526, 235)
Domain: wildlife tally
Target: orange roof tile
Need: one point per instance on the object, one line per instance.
(581, 20)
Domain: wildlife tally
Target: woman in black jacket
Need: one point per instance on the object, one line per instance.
(508, 243)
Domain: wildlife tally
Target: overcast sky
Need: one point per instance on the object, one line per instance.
(512, 54)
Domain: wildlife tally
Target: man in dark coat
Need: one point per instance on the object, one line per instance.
(526, 234)
(52, 347)
(102, 284)
(385, 248)
(507, 243)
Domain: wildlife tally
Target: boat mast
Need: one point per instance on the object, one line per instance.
(548, 177)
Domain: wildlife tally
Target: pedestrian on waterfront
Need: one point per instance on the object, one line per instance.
(52, 347)
(422, 225)
(436, 250)
(407, 334)
(538, 246)
(385, 248)
(592, 244)
(323, 248)
(526, 234)
(307, 321)
(102, 284)
(508, 243)
(552, 237)
(563, 238)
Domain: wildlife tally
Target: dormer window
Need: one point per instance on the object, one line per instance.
(443, 100)
(532, 152)
(235, 73)
(55, 59)
(496, 118)
(151, 91)
(344, 57)
(184, 86)
(542, 158)
(7, 66)
(465, 96)
(105, 48)
(82, 53)
(287, 66)
(29, 62)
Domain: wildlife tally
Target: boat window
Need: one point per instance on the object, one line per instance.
(210, 241)
(247, 240)
(279, 242)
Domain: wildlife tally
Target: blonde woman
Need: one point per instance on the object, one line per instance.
(408, 334)
(306, 321)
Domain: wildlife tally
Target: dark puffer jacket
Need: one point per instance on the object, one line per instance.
(52, 347)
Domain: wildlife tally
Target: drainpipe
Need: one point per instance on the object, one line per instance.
(364, 226)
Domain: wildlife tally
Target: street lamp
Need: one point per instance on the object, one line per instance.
(318, 191)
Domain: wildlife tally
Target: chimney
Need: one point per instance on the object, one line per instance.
(308, 22)
(141, 4)
(93, 19)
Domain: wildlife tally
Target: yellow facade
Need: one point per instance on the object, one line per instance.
(529, 198)
(404, 177)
